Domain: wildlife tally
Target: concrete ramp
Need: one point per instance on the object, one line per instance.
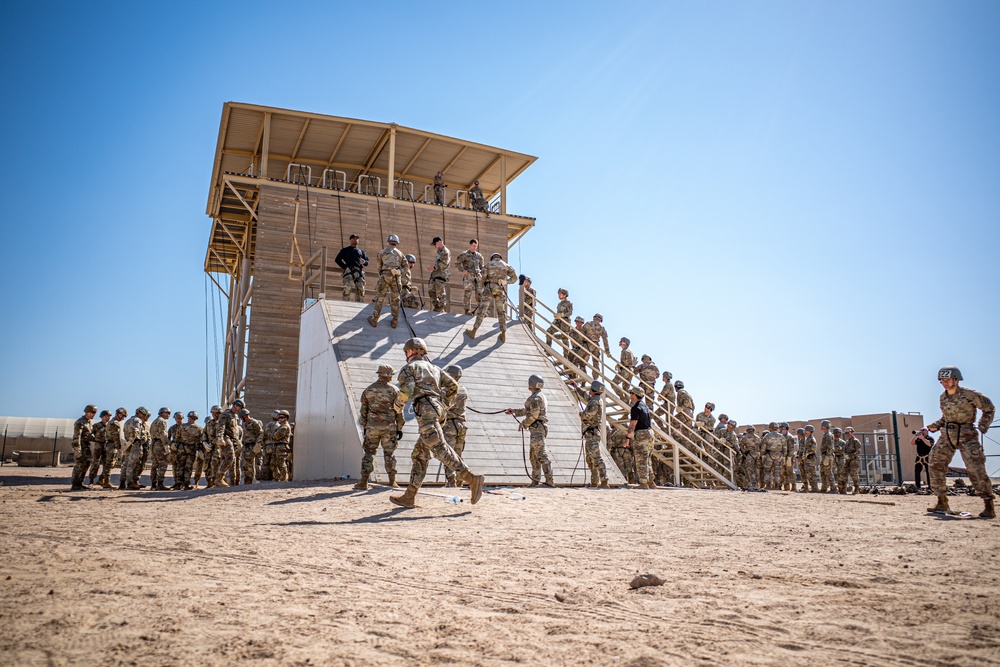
(339, 353)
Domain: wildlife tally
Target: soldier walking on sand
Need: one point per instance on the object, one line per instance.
(807, 469)
(136, 434)
(592, 418)
(958, 432)
(773, 445)
(455, 427)
(431, 391)
(852, 464)
(829, 483)
(253, 446)
(750, 447)
(190, 437)
(381, 425)
(83, 435)
(113, 447)
(159, 449)
(535, 422)
(97, 447)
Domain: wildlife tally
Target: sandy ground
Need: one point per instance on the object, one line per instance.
(320, 574)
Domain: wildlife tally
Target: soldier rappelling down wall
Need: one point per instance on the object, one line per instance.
(389, 262)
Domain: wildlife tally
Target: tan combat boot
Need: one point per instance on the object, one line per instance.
(550, 481)
(650, 484)
(604, 484)
(395, 322)
(106, 483)
(471, 333)
(534, 482)
(372, 321)
(407, 499)
(595, 480)
(503, 335)
(941, 507)
(990, 511)
(475, 483)
(392, 480)
(362, 484)
(220, 481)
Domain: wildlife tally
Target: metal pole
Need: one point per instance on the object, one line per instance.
(54, 441)
(899, 460)
(3, 454)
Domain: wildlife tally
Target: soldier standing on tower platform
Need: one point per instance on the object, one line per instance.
(353, 261)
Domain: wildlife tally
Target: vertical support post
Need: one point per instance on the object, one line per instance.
(392, 161)
(503, 184)
(899, 461)
(265, 145)
(3, 454)
(322, 275)
(55, 441)
(520, 304)
(677, 466)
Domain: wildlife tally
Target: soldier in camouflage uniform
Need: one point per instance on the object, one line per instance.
(720, 429)
(381, 426)
(958, 431)
(225, 436)
(455, 426)
(807, 468)
(640, 438)
(208, 462)
(829, 482)
(852, 462)
(189, 442)
(498, 275)
(647, 372)
(732, 439)
(353, 261)
(839, 465)
(113, 447)
(159, 449)
(577, 342)
(704, 420)
(684, 414)
(800, 443)
(266, 461)
(97, 447)
(623, 369)
(668, 397)
(592, 418)
(234, 467)
(83, 436)
(136, 434)
(389, 262)
(596, 334)
(471, 264)
(173, 437)
(535, 422)
(773, 445)
(560, 324)
(439, 276)
(529, 298)
(253, 446)
(621, 453)
(786, 481)
(750, 447)
(432, 392)
(282, 435)
(409, 296)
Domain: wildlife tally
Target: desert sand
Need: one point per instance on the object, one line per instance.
(319, 574)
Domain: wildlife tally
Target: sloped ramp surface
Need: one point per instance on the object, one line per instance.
(495, 375)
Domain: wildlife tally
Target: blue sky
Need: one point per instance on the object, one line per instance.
(793, 206)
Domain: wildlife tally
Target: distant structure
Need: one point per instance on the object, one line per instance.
(286, 184)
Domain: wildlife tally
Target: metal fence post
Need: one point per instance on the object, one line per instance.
(899, 460)
(3, 454)
(55, 441)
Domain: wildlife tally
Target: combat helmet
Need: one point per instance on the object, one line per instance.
(579, 318)
(849, 429)
(495, 256)
(773, 426)
(411, 259)
(162, 410)
(416, 344)
(239, 403)
(142, 410)
(536, 381)
(244, 413)
(597, 387)
(837, 431)
(385, 370)
(121, 411)
(454, 370)
(810, 428)
(598, 316)
(750, 428)
(105, 413)
(800, 431)
(723, 417)
(710, 405)
(192, 415)
(178, 414)
(90, 408)
(950, 372)
(635, 391)
(667, 376)
(826, 423)
(678, 385)
(626, 341)
(783, 425)
(215, 408)
(392, 240)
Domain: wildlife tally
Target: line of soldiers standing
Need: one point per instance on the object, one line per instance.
(232, 445)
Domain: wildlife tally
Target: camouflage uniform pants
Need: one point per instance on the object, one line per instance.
(410, 299)
(808, 472)
(224, 452)
(642, 445)
(266, 463)
(647, 390)
(772, 469)
(751, 466)
(538, 454)
(235, 468)
(623, 459)
(183, 464)
(787, 475)
(354, 283)
(624, 379)
(387, 283)
(739, 476)
(558, 330)
(248, 462)
(840, 472)
(110, 454)
(454, 434)
(495, 295)
(81, 462)
(384, 436)
(438, 293)
(96, 456)
(966, 440)
(431, 441)
(199, 464)
(279, 462)
(158, 463)
(141, 465)
(852, 472)
(471, 285)
(131, 464)
(826, 475)
(592, 447)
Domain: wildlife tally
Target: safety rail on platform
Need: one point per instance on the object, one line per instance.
(695, 456)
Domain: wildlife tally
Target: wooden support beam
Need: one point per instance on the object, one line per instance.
(403, 172)
(243, 201)
(298, 143)
(336, 149)
(265, 145)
